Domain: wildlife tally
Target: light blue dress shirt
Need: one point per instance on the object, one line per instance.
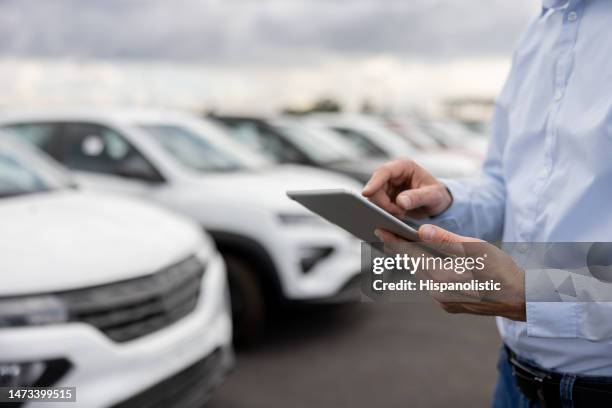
(548, 174)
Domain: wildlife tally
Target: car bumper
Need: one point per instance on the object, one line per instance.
(192, 385)
(330, 276)
(106, 373)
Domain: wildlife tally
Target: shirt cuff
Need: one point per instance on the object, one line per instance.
(548, 314)
(451, 218)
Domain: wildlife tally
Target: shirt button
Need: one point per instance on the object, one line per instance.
(558, 95)
(572, 16)
(544, 172)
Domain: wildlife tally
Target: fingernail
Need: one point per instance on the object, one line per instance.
(404, 201)
(378, 234)
(428, 232)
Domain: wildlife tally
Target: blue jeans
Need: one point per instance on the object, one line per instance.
(507, 393)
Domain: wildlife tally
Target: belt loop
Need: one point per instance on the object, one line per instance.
(566, 389)
(541, 395)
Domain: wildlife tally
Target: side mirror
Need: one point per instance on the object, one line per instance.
(138, 169)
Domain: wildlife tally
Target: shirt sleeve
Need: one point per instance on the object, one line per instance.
(580, 303)
(479, 202)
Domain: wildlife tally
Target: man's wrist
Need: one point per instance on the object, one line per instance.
(446, 200)
(517, 312)
(517, 304)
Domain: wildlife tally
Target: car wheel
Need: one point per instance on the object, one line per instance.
(247, 300)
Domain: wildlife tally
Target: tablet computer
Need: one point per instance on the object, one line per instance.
(353, 213)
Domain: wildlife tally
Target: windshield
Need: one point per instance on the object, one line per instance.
(414, 133)
(16, 179)
(192, 150)
(361, 142)
(315, 145)
(447, 133)
(266, 141)
(24, 171)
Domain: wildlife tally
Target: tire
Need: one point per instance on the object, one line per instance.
(247, 299)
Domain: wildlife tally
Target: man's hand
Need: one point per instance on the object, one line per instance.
(499, 267)
(405, 189)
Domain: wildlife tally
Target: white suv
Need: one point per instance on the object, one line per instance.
(370, 134)
(121, 300)
(274, 248)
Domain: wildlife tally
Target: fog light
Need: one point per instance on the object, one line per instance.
(33, 374)
(310, 257)
(20, 374)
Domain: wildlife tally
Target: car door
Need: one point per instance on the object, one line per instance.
(104, 159)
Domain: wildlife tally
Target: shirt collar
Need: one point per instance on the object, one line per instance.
(548, 4)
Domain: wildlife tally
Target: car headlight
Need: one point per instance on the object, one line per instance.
(300, 219)
(32, 311)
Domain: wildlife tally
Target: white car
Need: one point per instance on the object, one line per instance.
(377, 140)
(295, 141)
(351, 159)
(408, 127)
(453, 135)
(274, 248)
(124, 301)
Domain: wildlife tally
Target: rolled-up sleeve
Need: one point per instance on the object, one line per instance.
(568, 304)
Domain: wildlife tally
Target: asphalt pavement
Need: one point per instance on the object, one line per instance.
(367, 355)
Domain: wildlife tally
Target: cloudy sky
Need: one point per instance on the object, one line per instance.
(222, 30)
(321, 39)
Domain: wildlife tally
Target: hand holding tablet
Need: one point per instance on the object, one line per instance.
(353, 213)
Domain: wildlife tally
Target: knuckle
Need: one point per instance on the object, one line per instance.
(384, 169)
(416, 197)
(437, 195)
(445, 238)
(406, 162)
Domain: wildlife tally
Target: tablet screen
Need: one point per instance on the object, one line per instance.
(353, 213)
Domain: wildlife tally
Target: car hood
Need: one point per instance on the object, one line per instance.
(362, 169)
(66, 240)
(439, 163)
(446, 164)
(365, 165)
(267, 187)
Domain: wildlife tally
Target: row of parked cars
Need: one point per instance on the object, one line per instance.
(127, 276)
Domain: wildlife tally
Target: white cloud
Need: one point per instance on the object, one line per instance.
(239, 30)
(246, 55)
(388, 82)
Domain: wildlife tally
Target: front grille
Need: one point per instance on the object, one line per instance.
(189, 388)
(134, 308)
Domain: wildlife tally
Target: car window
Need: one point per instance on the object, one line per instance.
(99, 149)
(191, 149)
(38, 134)
(24, 169)
(319, 148)
(16, 178)
(266, 142)
(360, 141)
